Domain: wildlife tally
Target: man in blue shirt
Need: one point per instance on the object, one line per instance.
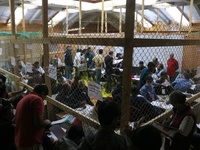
(182, 84)
(148, 91)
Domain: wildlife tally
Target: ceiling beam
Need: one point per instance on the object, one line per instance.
(183, 13)
(53, 15)
(7, 21)
(72, 17)
(146, 18)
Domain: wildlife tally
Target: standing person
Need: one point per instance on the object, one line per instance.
(155, 61)
(146, 72)
(77, 62)
(88, 58)
(141, 66)
(172, 66)
(98, 59)
(68, 62)
(183, 119)
(109, 70)
(30, 124)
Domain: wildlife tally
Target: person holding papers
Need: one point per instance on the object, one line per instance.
(147, 90)
(183, 119)
(30, 124)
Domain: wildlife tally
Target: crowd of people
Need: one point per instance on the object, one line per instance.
(26, 128)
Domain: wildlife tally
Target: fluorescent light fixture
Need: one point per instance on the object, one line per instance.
(146, 2)
(145, 23)
(162, 5)
(176, 15)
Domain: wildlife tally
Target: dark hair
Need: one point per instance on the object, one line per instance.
(147, 138)
(2, 89)
(75, 132)
(141, 62)
(163, 73)
(41, 89)
(118, 54)
(110, 53)
(100, 51)
(186, 75)
(149, 78)
(3, 78)
(36, 63)
(161, 65)
(151, 64)
(107, 112)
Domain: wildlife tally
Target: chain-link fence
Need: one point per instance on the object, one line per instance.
(86, 60)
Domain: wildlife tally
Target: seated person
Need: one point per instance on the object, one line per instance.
(106, 138)
(144, 107)
(74, 86)
(38, 67)
(81, 94)
(182, 84)
(21, 68)
(163, 84)
(60, 79)
(160, 69)
(119, 56)
(146, 138)
(154, 76)
(88, 130)
(117, 92)
(65, 97)
(36, 79)
(72, 140)
(147, 90)
(183, 119)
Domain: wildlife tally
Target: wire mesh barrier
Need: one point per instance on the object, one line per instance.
(86, 66)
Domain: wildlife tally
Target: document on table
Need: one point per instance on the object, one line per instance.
(161, 105)
(166, 130)
(57, 131)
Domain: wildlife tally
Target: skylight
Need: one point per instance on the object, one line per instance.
(145, 23)
(176, 15)
(18, 15)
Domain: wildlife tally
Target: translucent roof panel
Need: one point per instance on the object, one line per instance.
(4, 13)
